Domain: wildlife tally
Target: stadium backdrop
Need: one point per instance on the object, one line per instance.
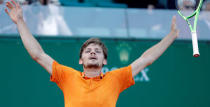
(176, 79)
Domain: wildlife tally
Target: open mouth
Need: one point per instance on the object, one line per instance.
(93, 58)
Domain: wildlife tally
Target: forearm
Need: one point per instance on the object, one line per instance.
(30, 43)
(153, 53)
(157, 50)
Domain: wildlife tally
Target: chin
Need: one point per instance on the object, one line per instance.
(92, 65)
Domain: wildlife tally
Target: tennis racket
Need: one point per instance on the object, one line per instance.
(188, 9)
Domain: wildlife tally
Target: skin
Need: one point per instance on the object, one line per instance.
(207, 6)
(92, 60)
(187, 3)
(92, 57)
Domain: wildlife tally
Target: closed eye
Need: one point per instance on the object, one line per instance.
(88, 51)
(98, 51)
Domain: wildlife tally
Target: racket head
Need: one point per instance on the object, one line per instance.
(187, 8)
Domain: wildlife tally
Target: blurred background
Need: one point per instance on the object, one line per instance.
(128, 28)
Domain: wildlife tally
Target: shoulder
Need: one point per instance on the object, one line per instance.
(126, 68)
(120, 71)
(63, 68)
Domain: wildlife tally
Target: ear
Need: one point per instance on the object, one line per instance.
(80, 61)
(104, 62)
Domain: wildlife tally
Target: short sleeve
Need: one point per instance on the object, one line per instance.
(60, 73)
(124, 77)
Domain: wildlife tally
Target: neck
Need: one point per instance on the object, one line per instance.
(92, 72)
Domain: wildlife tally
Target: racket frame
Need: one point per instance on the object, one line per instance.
(193, 29)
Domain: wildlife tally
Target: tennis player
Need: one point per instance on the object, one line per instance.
(90, 88)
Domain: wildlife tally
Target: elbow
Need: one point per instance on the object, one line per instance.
(36, 56)
(149, 61)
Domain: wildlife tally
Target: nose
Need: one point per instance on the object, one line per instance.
(92, 52)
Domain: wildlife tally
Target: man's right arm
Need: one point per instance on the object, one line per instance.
(29, 42)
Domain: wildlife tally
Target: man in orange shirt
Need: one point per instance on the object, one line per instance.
(90, 88)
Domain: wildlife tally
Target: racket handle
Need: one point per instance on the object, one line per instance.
(195, 44)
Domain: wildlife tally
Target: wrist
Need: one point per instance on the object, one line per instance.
(174, 34)
(19, 21)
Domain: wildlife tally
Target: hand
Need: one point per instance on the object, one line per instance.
(174, 30)
(15, 12)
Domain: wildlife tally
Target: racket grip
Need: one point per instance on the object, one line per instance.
(195, 44)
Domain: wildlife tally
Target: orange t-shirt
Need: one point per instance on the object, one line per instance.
(91, 92)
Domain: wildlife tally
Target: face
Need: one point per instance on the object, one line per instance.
(208, 6)
(93, 57)
(188, 5)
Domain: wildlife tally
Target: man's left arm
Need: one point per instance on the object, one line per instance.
(153, 53)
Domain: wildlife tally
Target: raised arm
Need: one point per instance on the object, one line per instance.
(29, 42)
(153, 53)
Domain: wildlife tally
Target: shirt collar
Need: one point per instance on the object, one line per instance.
(98, 77)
